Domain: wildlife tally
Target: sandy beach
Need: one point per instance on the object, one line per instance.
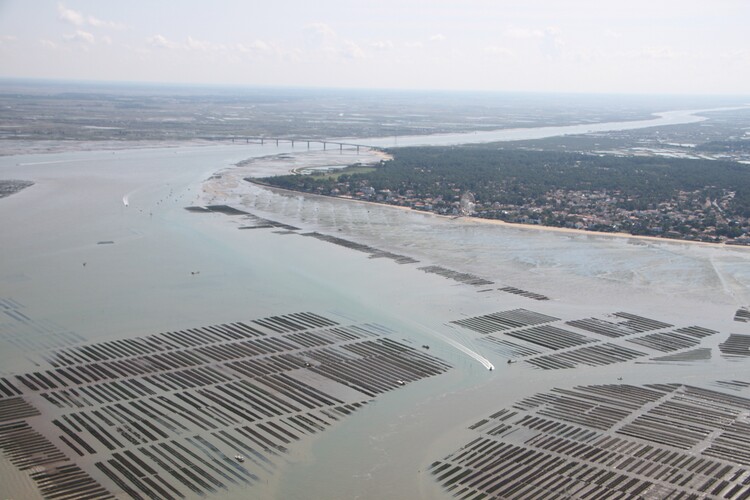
(228, 183)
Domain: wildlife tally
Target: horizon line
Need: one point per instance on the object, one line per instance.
(4, 80)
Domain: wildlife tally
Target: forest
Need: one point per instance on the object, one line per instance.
(609, 192)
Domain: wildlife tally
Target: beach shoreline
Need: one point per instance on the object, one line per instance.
(532, 227)
(293, 163)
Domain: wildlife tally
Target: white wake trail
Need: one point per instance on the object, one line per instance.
(473, 354)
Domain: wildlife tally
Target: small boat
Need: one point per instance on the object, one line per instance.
(400, 382)
(239, 458)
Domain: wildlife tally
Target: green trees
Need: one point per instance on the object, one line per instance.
(644, 195)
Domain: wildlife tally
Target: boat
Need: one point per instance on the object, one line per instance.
(239, 458)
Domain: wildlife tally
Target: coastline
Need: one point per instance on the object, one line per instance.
(414, 426)
(20, 147)
(657, 119)
(533, 227)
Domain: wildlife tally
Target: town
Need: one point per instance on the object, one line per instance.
(650, 197)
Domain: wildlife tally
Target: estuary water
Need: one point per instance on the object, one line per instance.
(665, 118)
(83, 265)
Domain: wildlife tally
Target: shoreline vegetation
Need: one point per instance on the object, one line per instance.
(705, 201)
(517, 225)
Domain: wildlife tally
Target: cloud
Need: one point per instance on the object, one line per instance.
(81, 36)
(323, 40)
(79, 19)
(7, 39)
(516, 32)
(498, 51)
(351, 50)
(255, 46)
(610, 33)
(162, 42)
(551, 45)
(549, 41)
(201, 45)
(662, 52)
(98, 23)
(48, 44)
(736, 54)
(261, 49)
(382, 45)
(523, 33)
(322, 43)
(437, 38)
(321, 30)
(191, 44)
(69, 15)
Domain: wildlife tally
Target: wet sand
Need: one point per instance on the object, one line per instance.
(292, 163)
(370, 481)
(615, 308)
(14, 147)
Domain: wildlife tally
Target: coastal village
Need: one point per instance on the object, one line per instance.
(689, 216)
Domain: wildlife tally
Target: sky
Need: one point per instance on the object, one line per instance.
(603, 46)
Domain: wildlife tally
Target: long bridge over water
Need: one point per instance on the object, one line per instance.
(293, 141)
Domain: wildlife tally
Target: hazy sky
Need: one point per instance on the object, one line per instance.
(638, 46)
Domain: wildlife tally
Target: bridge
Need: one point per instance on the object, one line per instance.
(263, 140)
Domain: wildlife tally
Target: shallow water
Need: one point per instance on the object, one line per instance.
(168, 269)
(519, 134)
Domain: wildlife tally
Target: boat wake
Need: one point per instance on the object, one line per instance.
(472, 354)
